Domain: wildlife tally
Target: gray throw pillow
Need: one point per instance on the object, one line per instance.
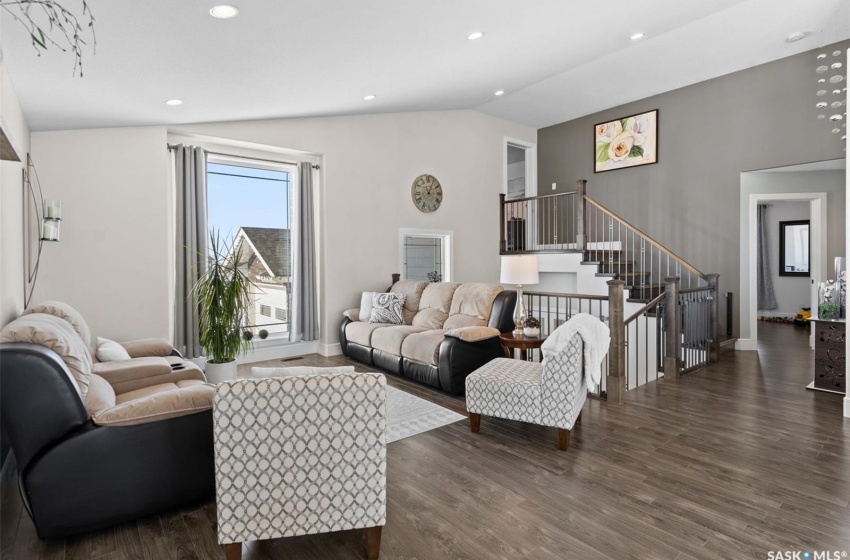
(366, 305)
(387, 308)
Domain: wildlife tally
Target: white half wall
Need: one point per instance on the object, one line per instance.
(112, 261)
(11, 203)
(114, 268)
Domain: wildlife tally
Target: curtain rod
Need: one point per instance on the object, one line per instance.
(295, 163)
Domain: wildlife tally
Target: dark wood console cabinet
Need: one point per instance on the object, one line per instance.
(830, 355)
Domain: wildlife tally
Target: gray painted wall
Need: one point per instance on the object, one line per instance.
(830, 182)
(709, 133)
(792, 292)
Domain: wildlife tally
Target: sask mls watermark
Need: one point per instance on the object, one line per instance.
(807, 555)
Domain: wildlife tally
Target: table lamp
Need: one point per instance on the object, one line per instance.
(519, 270)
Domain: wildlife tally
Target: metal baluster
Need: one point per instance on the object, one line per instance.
(620, 262)
(644, 316)
(650, 263)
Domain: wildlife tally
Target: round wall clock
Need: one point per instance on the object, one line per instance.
(426, 192)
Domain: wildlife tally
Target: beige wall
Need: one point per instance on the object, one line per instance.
(11, 203)
(111, 263)
(368, 165)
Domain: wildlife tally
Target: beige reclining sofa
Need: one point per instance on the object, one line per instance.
(450, 331)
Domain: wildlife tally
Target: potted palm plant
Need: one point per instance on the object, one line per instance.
(223, 293)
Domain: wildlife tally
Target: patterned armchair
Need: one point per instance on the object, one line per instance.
(298, 456)
(549, 394)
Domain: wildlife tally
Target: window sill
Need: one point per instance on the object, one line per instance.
(276, 348)
(276, 339)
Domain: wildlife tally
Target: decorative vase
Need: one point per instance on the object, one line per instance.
(217, 373)
(828, 304)
(532, 332)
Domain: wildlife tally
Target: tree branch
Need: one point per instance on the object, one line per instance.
(64, 32)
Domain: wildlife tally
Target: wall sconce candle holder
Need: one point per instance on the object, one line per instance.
(51, 220)
(46, 227)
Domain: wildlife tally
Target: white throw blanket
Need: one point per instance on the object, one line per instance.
(596, 337)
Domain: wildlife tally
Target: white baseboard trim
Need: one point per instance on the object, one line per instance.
(746, 344)
(277, 351)
(847, 407)
(330, 349)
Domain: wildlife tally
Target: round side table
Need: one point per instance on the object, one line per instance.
(511, 342)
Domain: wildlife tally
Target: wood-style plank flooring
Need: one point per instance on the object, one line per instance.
(731, 462)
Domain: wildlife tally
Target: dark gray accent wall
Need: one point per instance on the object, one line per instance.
(709, 133)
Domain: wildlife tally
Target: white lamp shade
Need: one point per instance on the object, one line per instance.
(520, 269)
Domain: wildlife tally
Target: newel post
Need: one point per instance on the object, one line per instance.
(616, 379)
(502, 221)
(673, 341)
(714, 324)
(581, 232)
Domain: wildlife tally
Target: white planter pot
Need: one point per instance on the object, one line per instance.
(528, 331)
(216, 373)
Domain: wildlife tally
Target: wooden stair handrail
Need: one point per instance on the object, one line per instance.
(651, 241)
(565, 295)
(526, 198)
(646, 307)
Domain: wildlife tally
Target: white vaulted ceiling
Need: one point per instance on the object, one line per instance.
(555, 59)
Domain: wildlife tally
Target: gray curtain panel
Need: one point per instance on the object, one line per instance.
(766, 296)
(304, 324)
(190, 178)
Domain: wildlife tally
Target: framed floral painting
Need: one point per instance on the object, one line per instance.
(627, 142)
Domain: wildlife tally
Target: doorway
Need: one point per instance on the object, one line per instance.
(520, 169)
(809, 192)
(790, 293)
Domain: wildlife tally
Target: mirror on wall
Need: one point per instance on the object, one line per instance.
(794, 248)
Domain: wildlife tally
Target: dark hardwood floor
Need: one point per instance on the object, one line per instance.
(731, 462)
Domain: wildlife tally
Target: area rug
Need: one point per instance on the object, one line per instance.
(408, 415)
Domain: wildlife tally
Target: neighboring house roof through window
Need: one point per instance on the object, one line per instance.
(271, 245)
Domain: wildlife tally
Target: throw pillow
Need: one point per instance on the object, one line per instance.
(387, 308)
(299, 371)
(366, 305)
(110, 351)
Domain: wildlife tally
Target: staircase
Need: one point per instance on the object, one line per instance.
(667, 321)
(614, 264)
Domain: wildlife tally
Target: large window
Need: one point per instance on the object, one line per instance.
(249, 204)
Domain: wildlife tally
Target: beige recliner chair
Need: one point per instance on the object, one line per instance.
(153, 360)
(100, 443)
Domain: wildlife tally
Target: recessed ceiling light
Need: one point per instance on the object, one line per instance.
(476, 35)
(500, 92)
(796, 36)
(224, 11)
(174, 102)
(369, 97)
(636, 37)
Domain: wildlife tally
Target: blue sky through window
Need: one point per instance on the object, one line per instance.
(243, 196)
